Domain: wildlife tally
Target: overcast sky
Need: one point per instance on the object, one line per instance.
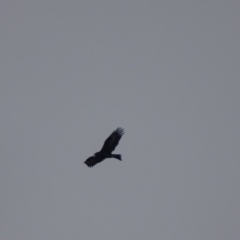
(168, 72)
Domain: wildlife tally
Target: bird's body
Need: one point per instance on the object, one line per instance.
(107, 149)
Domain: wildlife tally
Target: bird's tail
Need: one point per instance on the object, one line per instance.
(117, 156)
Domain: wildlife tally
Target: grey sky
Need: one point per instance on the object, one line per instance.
(167, 72)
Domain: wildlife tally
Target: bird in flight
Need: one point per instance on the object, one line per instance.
(108, 147)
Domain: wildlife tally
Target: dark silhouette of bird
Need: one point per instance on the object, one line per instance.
(108, 147)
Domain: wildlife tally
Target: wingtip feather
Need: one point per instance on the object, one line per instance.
(120, 131)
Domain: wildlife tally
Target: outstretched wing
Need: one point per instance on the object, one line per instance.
(112, 141)
(91, 161)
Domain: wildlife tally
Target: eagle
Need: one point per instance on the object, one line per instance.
(108, 147)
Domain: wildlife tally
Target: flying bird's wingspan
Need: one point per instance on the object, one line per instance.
(113, 140)
(106, 152)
